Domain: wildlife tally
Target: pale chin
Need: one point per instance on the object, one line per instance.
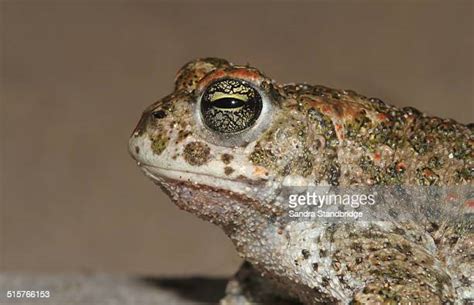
(158, 174)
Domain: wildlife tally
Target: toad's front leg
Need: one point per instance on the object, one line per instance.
(248, 287)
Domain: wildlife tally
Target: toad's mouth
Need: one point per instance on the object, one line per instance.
(241, 185)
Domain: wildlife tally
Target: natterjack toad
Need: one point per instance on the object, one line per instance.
(229, 144)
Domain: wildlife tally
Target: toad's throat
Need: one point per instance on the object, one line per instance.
(219, 200)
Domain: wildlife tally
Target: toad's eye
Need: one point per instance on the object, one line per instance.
(230, 106)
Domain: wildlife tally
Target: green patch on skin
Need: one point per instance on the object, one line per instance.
(429, 133)
(420, 143)
(158, 143)
(385, 133)
(263, 157)
(355, 127)
(322, 125)
(371, 134)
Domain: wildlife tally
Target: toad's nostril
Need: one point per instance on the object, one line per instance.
(159, 114)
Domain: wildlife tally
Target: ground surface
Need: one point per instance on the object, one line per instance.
(100, 289)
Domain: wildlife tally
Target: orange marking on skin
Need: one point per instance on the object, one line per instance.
(259, 171)
(382, 117)
(400, 166)
(241, 73)
(428, 173)
(470, 203)
(377, 156)
(350, 110)
(326, 109)
(210, 78)
(246, 74)
(339, 132)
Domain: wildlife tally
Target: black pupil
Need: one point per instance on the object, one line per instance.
(228, 103)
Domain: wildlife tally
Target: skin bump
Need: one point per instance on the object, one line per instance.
(196, 153)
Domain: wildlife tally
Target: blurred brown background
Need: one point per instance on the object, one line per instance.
(77, 74)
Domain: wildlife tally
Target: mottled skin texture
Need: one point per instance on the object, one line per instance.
(320, 136)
